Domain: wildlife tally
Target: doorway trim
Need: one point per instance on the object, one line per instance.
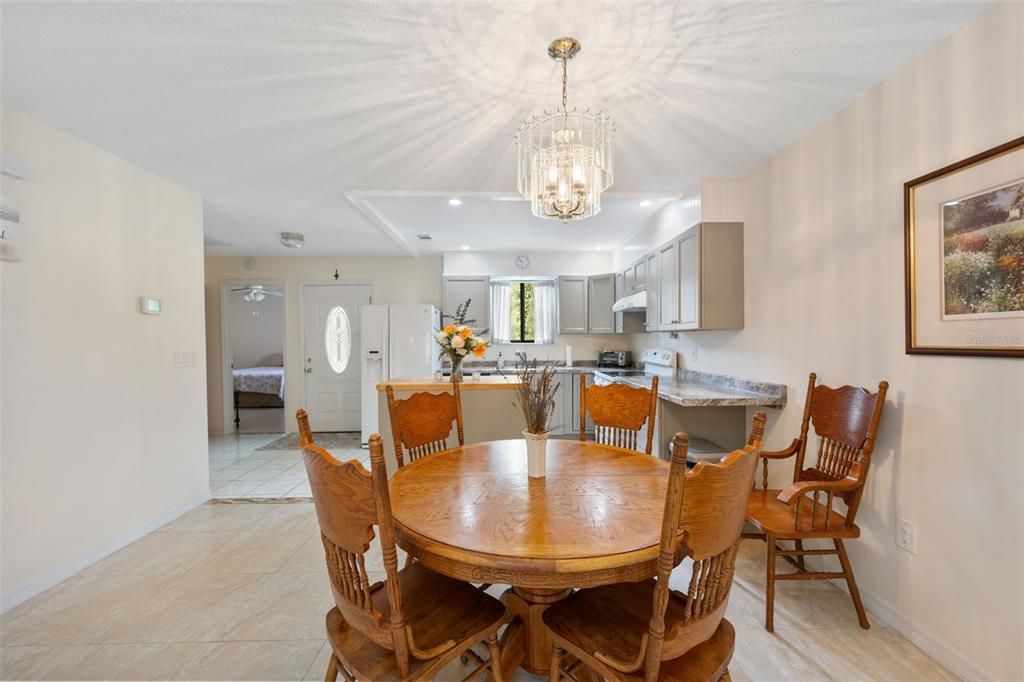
(309, 283)
(227, 387)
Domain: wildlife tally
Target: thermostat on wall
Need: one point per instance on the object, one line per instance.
(149, 306)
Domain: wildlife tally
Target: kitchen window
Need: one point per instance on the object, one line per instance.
(523, 311)
(523, 323)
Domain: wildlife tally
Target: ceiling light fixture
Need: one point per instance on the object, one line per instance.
(465, 248)
(293, 240)
(645, 203)
(455, 202)
(564, 159)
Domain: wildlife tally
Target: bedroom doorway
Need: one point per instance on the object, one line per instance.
(253, 324)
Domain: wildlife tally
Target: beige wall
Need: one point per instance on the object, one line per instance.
(399, 279)
(103, 438)
(824, 292)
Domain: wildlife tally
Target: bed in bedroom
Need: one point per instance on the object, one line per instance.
(258, 387)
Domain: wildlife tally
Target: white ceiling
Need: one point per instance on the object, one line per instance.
(500, 222)
(275, 111)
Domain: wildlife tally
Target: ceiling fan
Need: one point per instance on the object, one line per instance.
(255, 292)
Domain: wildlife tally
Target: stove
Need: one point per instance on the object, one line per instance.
(656, 362)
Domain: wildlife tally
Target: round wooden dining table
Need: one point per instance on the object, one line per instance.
(472, 513)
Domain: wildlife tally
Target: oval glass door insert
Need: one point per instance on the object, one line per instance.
(338, 339)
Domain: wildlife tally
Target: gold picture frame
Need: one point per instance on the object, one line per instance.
(964, 256)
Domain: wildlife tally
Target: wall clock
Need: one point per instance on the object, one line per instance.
(523, 262)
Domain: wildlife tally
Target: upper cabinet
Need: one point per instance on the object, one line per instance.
(666, 310)
(475, 287)
(634, 278)
(600, 297)
(572, 305)
(700, 280)
(651, 264)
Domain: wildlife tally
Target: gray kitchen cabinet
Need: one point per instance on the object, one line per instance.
(620, 291)
(572, 305)
(706, 279)
(475, 287)
(627, 281)
(559, 424)
(666, 310)
(600, 298)
(688, 271)
(639, 275)
(653, 291)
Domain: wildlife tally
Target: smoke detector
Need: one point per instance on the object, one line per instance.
(293, 240)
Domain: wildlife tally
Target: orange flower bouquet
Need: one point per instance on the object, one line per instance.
(458, 341)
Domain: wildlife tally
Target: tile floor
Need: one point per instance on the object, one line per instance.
(238, 591)
(239, 469)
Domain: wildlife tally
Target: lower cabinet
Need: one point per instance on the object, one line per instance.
(574, 418)
(559, 426)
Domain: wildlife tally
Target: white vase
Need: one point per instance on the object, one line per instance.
(536, 453)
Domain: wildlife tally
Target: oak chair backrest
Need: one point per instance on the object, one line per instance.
(704, 514)
(350, 501)
(619, 412)
(305, 434)
(422, 423)
(846, 422)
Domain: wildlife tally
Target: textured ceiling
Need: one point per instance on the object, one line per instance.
(274, 111)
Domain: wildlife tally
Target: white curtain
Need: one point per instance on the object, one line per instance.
(544, 308)
(501, 312)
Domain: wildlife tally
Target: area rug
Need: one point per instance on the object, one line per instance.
(331, 441)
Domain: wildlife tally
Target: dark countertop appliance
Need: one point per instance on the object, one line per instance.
(614, 358)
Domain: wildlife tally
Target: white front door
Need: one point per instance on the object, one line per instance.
(330, 333)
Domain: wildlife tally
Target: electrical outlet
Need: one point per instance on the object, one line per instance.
(905, 536)
(691, 354)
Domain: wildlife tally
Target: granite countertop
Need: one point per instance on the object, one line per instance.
(579, 367)
(690, 388)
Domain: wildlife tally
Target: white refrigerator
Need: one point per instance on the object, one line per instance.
(397, 342)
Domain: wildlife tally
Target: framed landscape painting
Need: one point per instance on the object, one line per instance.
(964, 252)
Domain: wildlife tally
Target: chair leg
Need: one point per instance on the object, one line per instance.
(555, 675)
(495, 651)
(332, 670)
(800, 559)
(851, 582)
(769, 614)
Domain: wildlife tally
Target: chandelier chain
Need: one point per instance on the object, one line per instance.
(565, 82)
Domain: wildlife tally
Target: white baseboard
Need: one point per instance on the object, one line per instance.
(957, 663)
(45, 582)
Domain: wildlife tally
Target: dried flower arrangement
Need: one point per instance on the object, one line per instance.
(535, 395)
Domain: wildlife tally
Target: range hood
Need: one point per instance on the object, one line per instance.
(631, 303)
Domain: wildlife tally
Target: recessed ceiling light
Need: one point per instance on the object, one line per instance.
(645, 202)
(465, 248)
(455, 202)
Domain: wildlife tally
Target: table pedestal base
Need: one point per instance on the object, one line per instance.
(526, 642)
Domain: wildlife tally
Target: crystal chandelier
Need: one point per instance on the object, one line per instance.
(564, 158)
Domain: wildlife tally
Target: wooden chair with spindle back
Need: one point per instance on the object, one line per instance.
(422, 423)
(619, 413)
(305, 434)
(414, 623)
(646, 631)
(846, 422)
